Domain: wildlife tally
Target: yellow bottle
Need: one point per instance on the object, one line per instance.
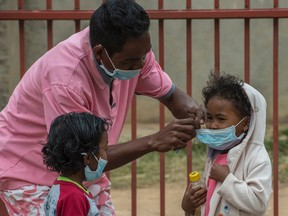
(196, 180)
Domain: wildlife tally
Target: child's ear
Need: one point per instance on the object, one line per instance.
(86, 159)
(246, 124)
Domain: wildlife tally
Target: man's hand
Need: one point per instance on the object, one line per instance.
(175, 135)
(193, 198)
(219, 172)
(193, 110)
(183, 106)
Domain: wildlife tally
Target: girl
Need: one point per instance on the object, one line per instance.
(76, 149)
(238, 168)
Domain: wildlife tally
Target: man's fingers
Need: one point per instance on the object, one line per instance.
(185, 125)
(176, 134)
(201, 111)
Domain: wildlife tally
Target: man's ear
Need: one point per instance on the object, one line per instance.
(98, 51)
(246, 123)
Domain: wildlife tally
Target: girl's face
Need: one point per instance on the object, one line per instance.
(92, 162)
(103, 146)
(221, 113)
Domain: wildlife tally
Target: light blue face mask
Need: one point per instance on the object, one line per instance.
(118, 73)
(93, 175)
(222, 139)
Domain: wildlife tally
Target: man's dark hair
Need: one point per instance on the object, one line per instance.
(70, 135)
(228, 87)
(117, 21)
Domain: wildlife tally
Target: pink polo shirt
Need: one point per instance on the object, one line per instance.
(64, 79)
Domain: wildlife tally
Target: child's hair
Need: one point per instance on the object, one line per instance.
(70, 135)
(228, 87)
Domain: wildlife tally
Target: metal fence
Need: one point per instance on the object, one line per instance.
(188, 14)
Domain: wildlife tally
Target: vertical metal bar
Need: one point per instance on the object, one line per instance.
(275, 111)
(49, 26)
(189, 78)
(162, 114)
(217, 40)
(77, 22)
(247, 45)
(21, 40)
(134, 163)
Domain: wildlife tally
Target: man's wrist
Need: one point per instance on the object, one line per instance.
(189, 214)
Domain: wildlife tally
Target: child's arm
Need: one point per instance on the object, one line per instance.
(193, 198)
(251, 194)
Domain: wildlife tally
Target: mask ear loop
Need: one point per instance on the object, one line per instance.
(240, 121)
(84, 154)
(98, 161)
(109, 59)
(95, 157)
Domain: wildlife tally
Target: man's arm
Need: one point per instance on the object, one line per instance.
(171, 137)
(182, 106)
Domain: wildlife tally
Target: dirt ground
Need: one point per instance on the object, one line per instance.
(148, 201)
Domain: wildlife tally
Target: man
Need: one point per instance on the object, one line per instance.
(97, 70)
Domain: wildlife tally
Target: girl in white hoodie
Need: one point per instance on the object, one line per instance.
(238, 171)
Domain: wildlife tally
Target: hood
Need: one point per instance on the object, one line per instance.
(257, 128)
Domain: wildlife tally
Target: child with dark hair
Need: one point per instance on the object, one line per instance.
(238, 169)
(76, 149)
(102, 67)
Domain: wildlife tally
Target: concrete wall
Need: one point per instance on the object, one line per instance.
(9, 57)
(231, 44)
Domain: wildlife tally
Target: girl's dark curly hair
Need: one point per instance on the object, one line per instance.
(70, 135)
(228, 87)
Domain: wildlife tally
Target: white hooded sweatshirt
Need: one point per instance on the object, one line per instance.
(248, 187)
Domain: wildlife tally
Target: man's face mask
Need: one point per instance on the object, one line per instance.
(91, 175)
(118, 73)
(222, 139)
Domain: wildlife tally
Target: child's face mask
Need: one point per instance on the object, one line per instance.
(91, 175)
(221, 139)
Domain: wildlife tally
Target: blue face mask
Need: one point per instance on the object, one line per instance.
(92, 175)
(120, 74)
(222, 139)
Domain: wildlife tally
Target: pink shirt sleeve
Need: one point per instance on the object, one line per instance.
(153, 81)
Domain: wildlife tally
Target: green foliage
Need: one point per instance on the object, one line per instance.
(282, 154)
(282, 143)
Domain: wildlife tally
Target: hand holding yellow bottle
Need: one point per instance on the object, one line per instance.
(194, 196)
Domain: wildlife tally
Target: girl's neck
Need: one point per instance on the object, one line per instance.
(77, 177)
(67, 179)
